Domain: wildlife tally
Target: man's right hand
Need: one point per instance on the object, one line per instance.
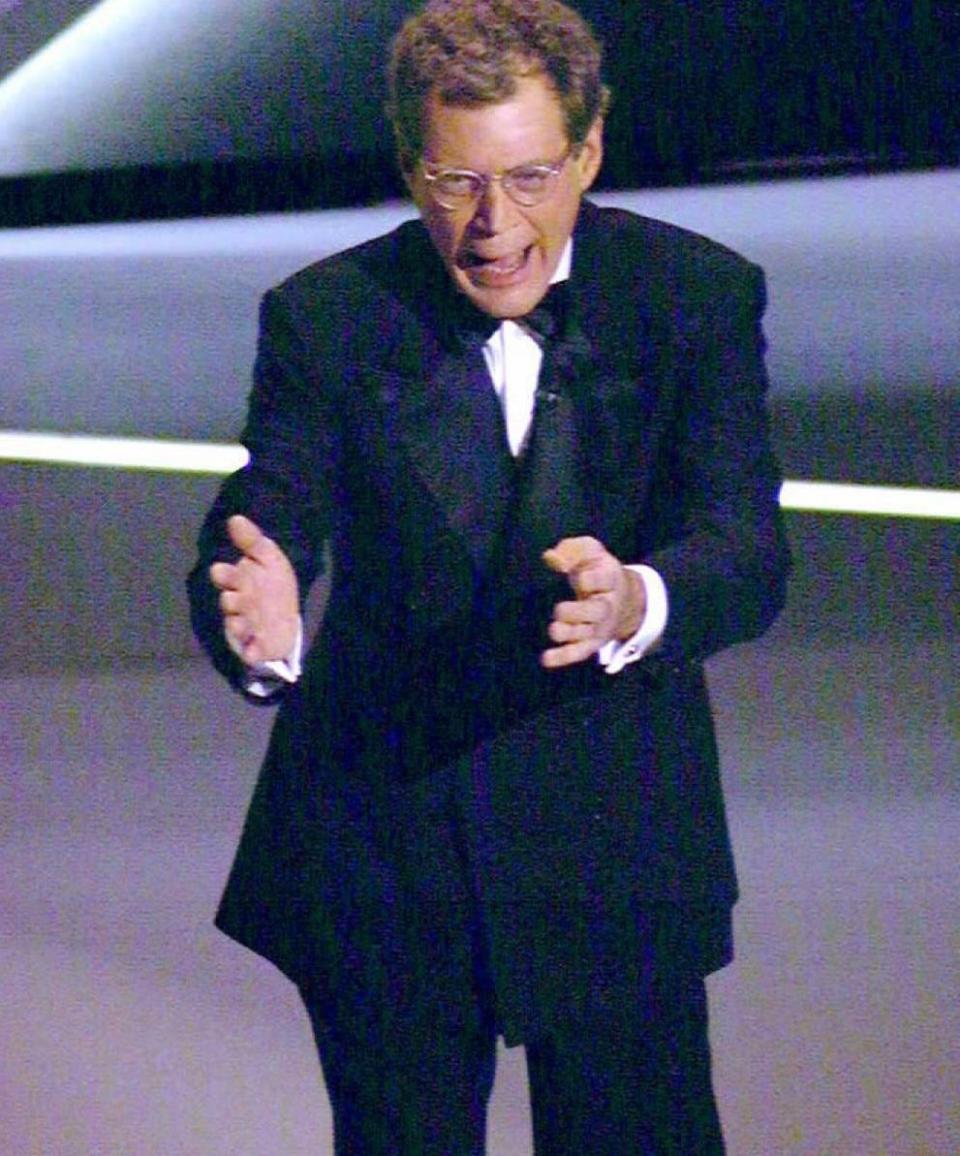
(258, 595)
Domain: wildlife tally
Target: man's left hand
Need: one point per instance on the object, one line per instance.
(610, 603)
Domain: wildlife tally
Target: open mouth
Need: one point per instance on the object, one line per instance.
(495, 269)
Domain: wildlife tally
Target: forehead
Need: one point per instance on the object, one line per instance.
(528, 126)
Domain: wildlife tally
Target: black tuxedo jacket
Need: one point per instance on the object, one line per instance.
(373, 427)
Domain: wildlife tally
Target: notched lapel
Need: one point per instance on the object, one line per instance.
(449, 422)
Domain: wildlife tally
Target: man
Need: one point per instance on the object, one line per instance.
(491, 802)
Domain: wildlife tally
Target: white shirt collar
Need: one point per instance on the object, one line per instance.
(562, 271)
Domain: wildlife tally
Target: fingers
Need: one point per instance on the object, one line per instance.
(244, 627)
(580, 628)
(232, 600)
(580, 619)
(224, 576)
(238, 607)
(251, 541)
(568, 654)
(238, 632)
(598, 580)
(244, 644)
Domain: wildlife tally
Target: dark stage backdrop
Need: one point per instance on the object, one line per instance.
(115, 110)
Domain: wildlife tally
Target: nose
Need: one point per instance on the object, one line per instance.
(493, 209)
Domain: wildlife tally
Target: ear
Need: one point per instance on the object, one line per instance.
(414, 182)
(590, 156)
(408, 170)
(406, 162)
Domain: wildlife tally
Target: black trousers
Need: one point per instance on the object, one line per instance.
(406, 1018)
(415, 1081)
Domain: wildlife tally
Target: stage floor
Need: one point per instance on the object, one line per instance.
(129, 1026)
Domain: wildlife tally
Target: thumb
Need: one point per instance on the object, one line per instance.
(249, 539)
(570, 554)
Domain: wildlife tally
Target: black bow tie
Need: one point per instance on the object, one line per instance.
(549, 319)
(469, 324)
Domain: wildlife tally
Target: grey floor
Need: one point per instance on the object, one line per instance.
(128, 1026)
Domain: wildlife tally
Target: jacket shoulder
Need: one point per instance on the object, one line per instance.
(621, 239)
(361, 268)
(369, 304)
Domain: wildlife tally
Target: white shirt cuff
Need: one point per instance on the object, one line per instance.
(614, 655)
(264, 678)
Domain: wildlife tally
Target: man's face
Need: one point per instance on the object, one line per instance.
(501, 254)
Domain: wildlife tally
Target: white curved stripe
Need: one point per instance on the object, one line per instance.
(119, 84)
(121, 453)
(221, 458)
(889, 501)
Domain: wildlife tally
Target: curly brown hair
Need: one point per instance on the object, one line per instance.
(472, 52)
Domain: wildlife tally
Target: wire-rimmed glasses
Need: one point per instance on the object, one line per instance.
(527, 185)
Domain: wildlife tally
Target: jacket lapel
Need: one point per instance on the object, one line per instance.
(452, 429)
(437, 394)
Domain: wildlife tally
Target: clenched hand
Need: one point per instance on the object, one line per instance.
(610, 601)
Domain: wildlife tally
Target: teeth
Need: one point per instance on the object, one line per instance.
(508, 264)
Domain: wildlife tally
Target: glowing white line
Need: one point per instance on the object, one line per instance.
(888, 501)
(121, 453)
(218, 459)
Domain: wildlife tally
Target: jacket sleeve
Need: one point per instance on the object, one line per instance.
(725, 564)
(284, 488)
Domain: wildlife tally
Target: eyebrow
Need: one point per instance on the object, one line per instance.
(535, 163)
